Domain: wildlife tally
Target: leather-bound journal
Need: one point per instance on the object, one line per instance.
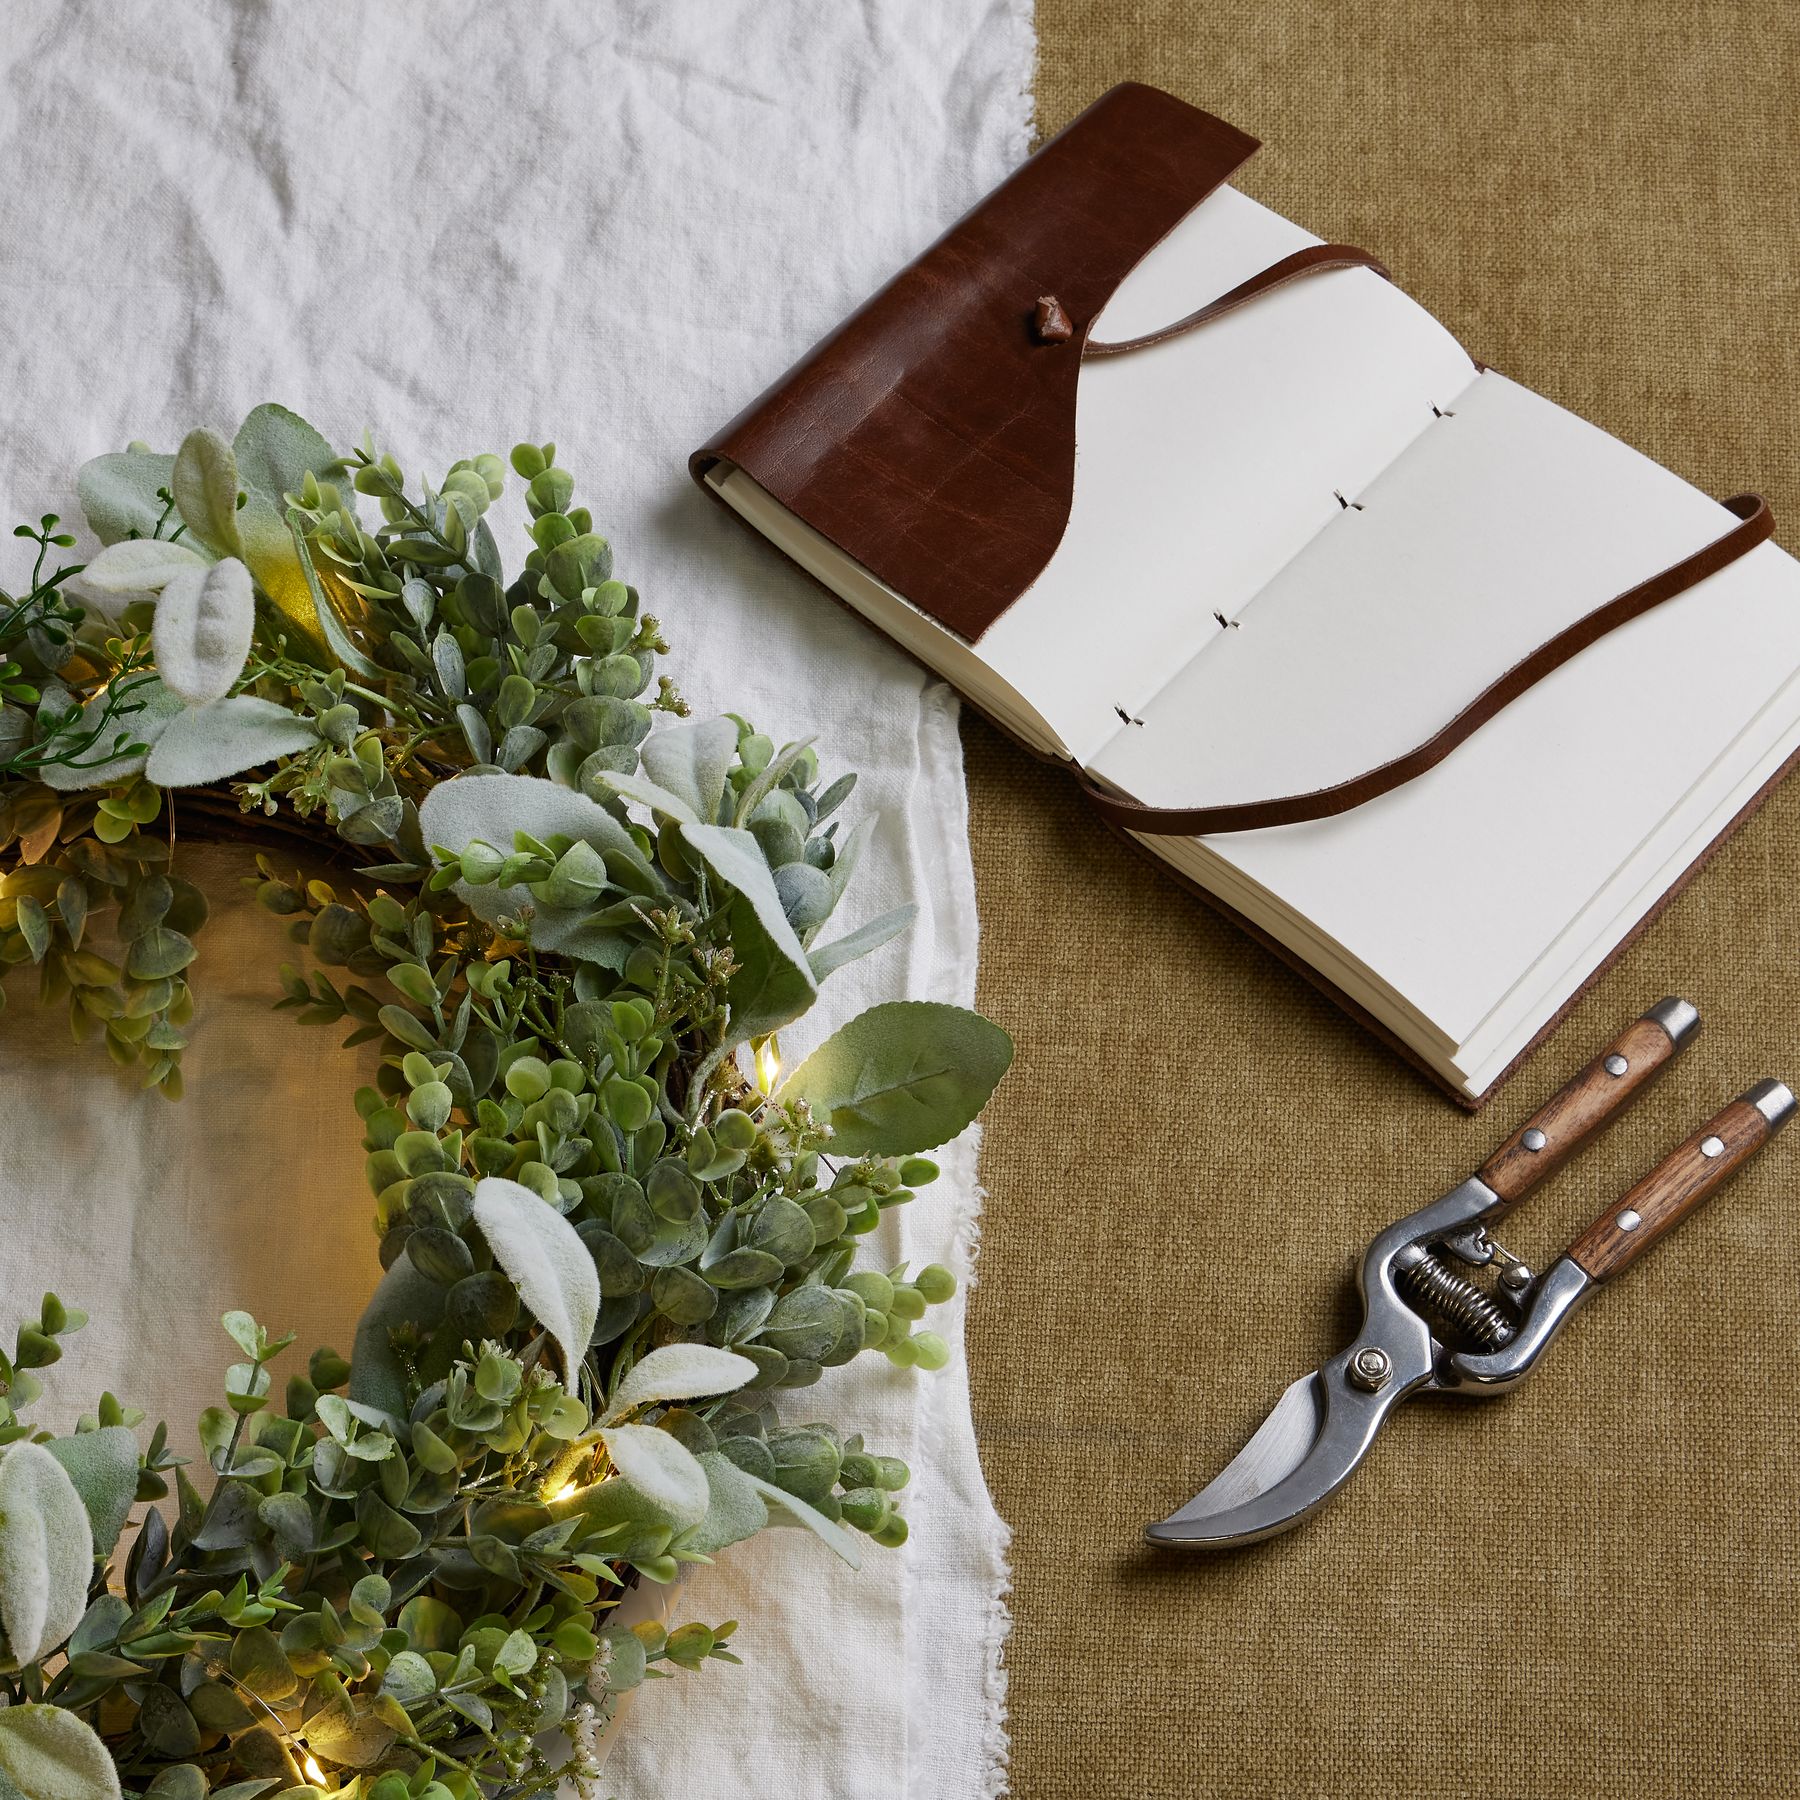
(1436, 688)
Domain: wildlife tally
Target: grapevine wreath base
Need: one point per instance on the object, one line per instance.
(616, 1244)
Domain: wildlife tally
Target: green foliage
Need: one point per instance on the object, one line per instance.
(609, 1254)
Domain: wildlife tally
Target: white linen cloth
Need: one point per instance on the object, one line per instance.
(461, 225)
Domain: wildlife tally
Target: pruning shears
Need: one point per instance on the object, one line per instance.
(1430, 1326)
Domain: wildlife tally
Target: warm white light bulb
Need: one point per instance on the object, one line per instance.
(768, 1065)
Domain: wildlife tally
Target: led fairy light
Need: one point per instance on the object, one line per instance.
(768, 1065)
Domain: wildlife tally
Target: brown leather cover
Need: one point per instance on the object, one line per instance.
(932, 435)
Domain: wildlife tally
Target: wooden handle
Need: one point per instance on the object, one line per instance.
(1681, 1181)
(1574, 1113)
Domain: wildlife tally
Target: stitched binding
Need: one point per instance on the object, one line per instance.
(1756, 525)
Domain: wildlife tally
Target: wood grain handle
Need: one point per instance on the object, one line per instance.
(1572, 1115)
(1681, 1181)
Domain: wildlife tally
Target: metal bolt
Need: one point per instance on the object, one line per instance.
(1370, 1369)
(1711, 1147)
(1534, 1140)
(1616, 1064)
(1629, 1220)
(1516, 1277)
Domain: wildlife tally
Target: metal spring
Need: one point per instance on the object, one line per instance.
(1466, 1306)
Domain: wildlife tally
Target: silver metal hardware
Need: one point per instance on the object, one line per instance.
(1711, 1147)
(1516, 1277)
(1471, 1245)
(1564, 1287)
(1534, 1140)
(1616, 1064)
(1422, 1278)
(1774, 1100)
(1676, 1017)
(1370, 1369)
(1630, 1219)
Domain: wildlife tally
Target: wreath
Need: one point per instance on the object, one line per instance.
(573, 919)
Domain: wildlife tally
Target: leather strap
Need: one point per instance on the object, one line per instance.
(1756, 525)
(1312, 260)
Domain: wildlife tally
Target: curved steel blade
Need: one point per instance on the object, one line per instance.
(1302, 1453)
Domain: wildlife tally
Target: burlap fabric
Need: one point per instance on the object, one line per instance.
(1592, 1588)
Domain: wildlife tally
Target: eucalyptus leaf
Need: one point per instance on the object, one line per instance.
(404, 1298)
(902, 1077)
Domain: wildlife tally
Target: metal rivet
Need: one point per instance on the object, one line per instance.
(1712, 1146)
(1616, 1064)
(1629, 1219)
(1370, 1369)
(1534, 1139)
(1516, 1277)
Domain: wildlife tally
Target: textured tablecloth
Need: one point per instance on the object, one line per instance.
(1591, 1589)
(461, 225)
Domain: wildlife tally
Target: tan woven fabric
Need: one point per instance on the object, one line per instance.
(1592, 1588)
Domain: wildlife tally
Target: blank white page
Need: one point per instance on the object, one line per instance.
(1203, 464)
(1502, 525)
(1452, 887)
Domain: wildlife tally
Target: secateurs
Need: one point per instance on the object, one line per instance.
(1430, 1325)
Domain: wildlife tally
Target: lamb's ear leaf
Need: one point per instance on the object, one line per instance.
(648, 793)
(785, 1508)
(153, 707)
(826, 959)
(207, 743)
(405, 1297)
(902, 1077)
(662, 1469)
(103, 1465)
(138, 566)
(774, 982)
(489, 809)
(46, 1554)
(120, 494)
(691, 760)
(276, 450)
(546, 1261)
(679, 1372)
(47, 1750)
(205, 484)
(202, 629)
(735, 1510)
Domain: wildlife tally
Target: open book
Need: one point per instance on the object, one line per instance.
(1290, 545)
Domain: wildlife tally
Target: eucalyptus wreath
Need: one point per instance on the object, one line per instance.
(615, 1245)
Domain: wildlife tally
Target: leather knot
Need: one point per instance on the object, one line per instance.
(1050, 323)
